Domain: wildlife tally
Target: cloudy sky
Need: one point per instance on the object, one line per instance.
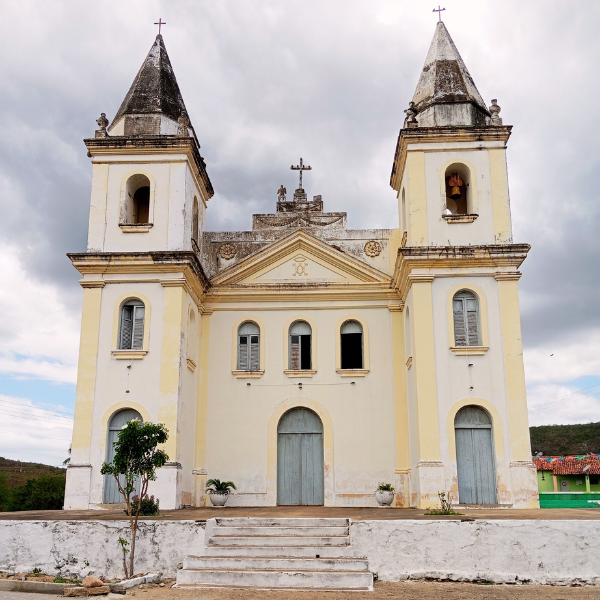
(268, 81)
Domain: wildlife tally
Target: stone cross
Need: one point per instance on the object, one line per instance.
(301, 167)
(438, 10)
(160, 23)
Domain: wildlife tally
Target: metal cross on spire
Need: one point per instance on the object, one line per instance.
(301, 167)
(160, 23)
(439, 10)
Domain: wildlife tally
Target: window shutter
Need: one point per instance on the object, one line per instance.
(460, 337)
(254, 353)
(126, 327)
(472, 330)
(138, 327)
(243, 353)
(295, 352)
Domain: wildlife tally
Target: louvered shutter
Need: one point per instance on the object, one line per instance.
(254, 353)
(138, 327)
(460, 337)
(243, 353)
(126, 327)
(472, 329)
(295, 352)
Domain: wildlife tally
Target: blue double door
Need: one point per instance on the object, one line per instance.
(300, 459)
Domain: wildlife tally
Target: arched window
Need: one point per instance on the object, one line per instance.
(131, 326)
(195, 228)
(458, 180)
(137, 207)
(248, 347)
(116, 423)
(300, 346)
(465, 309)
(352, 345)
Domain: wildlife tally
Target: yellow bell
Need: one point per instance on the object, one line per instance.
(455, 195)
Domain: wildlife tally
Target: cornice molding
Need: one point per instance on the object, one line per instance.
(92, 283)
(515, 276)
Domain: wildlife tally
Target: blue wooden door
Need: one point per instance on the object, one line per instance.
(300, 475)
(116, 423)
(475, 456)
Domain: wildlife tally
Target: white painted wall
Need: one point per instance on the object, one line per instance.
(500, 551)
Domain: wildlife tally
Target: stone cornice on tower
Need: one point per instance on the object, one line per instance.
(154, 144)
(446, 136)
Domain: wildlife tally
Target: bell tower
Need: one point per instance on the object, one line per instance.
(456, 273)
(143, 284)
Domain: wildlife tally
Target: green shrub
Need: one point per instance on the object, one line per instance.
(44, 493)
(148, 505)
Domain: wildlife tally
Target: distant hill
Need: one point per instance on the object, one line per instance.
(563, 440)
(17, 473)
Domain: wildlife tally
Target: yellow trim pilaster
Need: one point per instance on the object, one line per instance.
(400, 406)
(173, 324)
(86, 370)
(424, 365)
(513, 364)
(500, 198)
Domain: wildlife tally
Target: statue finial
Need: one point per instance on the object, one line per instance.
(411, 113)
(495, 110)
(102, 123)
(281, 192)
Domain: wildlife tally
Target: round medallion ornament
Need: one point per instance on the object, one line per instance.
(227, 251)
(372, 248)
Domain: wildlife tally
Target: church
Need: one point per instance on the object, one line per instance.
(302, 360)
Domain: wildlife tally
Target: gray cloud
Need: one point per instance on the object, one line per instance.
(267, 82)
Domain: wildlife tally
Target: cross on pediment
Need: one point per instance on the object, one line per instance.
(301, 167)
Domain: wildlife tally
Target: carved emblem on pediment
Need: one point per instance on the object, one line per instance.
(227, 251)
(300, 265)
(372, 248)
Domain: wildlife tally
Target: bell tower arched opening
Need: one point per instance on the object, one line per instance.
(458, 197)
(137, 200)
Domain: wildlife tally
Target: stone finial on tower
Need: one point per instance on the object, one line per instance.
(183, 124)
(495, 111)
(411, 113)
(103, 124)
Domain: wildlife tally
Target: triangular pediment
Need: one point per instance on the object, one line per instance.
(299, 258)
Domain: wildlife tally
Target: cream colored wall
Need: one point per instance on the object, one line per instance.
(362, 414)
(484, 380)
(172, 189)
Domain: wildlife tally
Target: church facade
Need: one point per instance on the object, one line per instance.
(305, 361)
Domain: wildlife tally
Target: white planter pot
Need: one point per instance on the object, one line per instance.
(218, 499)
(384, 498)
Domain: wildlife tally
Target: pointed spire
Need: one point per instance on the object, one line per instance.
(154, 91)
(446, 94)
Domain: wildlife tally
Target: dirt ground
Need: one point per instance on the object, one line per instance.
(409, 590)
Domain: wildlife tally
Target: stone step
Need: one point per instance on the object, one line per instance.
(280, 541)
(278, 551)
(276, 579)
(276, 530)
(275, 564)
(276, 522)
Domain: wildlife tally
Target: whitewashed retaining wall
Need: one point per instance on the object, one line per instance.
(503, 551)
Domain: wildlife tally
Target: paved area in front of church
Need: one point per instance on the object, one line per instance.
(356, 514)
(410, 590)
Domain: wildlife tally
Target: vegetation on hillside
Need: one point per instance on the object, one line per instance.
(17, 472)
(565, 440)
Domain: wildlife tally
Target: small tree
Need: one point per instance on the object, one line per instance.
(136, 456)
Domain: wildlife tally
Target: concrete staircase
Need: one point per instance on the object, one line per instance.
(291, 554)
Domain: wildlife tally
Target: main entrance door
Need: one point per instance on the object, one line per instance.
(300, 458)
(475, 456)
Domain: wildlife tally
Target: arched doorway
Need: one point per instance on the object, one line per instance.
(475, 456)
(116, 423)
(300, 474)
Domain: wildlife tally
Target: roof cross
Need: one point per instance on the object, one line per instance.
(301, 167)
(439, 10)
(160, 23)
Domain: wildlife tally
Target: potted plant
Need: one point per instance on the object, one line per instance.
(384, 494)
(219, 491)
